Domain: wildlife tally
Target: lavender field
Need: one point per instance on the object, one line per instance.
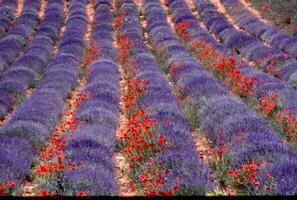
(147, 98)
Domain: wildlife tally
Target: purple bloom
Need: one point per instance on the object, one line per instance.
(284, 174)
(16, 157)
(34, 132)
(259, 29)
(33, 62)
(99, 116)
(12, 86)
(84, 179)
(194, 173)
(161, 104)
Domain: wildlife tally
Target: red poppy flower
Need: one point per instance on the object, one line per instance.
(269, 175)
(266, 188)
(152, 193)
(10, 184)
(175, 188)
(256, 183)
(179, 179)
(82, 194)
(44, 193)
(233, 173)
(2, 190)
(264, 163)
(162, 140)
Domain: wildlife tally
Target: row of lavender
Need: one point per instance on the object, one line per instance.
(266, 32)
(93, 142)
(33, 121)
(222, 110)
(181, 159)
(266, 84)
(18, 37)
(28, 69)
(269, 59)
(7, 15)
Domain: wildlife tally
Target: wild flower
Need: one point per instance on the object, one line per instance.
(154, 178)
(225, 68)
(84, 194)
(248, 174)
(268, 103)
(2, 189)
(142, 142)
(289, 123)
(125, 45)
(91, 54)
(118, 21)
(44, 193)
(244, 86)
(11, 184)
(8, 188)
(182, 32)
(269, 106)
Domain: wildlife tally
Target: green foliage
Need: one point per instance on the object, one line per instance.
(190, 191)
(161, 62)
(190, 110)
(120, 145)
(33, 83)
(82, 73)
(214, 193)
(18, 98)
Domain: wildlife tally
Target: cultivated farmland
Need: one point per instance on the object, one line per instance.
(146, 98)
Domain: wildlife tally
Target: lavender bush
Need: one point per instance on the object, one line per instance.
(212, 117)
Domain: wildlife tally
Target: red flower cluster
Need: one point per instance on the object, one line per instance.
(118, 21)
(283, 117)
(52, 167)
(182, 32)
(10, 184)
(274, 66)
(289, 124)
(267, 104)
(44, 193)
(242, 85)
(141, 140)
(225, 68)
(52, 158)
(247, 173)
(135, 89)
(2, 190)
(154, 178)
(138, 137)
(83, 194)
(223, 149)
(124, 48)
(91, 54)
(6, 189)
